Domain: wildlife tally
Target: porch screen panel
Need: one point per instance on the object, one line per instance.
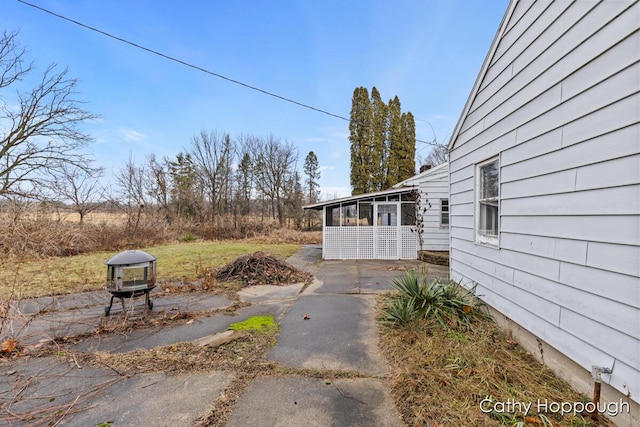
(365, 214)
(387, 215)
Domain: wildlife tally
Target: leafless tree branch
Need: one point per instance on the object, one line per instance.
(42, 133)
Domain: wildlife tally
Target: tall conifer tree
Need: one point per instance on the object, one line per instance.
(312, 170)
(408, 164)
(395, 143)
(360, 136)
(380, 152)
(383, 142)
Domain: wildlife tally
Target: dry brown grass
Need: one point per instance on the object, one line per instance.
(35, 235)
(440, 376)
(285, 235)
(41, 237)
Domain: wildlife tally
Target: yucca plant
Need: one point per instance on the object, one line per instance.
(398, 310)
(448, 303)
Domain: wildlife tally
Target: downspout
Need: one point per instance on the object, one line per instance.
(596, 373)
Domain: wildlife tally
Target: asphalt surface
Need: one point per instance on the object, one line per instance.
(327, 325)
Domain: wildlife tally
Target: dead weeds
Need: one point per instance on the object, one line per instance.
(439, 377)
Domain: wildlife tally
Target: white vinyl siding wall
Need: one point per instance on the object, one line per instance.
(434, 186)
(560, 104)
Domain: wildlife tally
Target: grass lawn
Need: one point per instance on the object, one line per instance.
(62, 275)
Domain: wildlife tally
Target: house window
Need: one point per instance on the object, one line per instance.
(487, 198)
(444, 212)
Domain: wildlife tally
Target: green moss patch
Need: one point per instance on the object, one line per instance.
(257, 324)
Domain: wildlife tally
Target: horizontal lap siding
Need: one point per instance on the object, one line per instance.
(560, 104)
(434, 187)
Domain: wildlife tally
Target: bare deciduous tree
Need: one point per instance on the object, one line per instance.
(274, 163)
(158, 184)
(212, 155)
(294, 196)
(131, 183)
(79, 187)
(437, 156)
(41, 132)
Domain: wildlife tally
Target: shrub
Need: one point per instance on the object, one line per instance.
(448, 303)
(189, 237)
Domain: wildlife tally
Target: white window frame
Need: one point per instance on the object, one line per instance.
(442, 224)
(481, 238)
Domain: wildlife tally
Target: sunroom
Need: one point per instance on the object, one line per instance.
(378, 225)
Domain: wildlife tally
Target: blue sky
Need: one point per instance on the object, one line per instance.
(427, 52)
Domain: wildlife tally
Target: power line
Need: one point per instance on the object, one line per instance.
(190, 65)
(179, 61)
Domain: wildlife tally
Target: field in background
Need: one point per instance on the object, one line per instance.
(47, 251)
(35, 233)
(177, 261)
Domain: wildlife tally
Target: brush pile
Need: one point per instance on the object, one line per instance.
(260, 268)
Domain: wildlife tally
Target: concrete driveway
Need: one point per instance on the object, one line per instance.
(327, 325)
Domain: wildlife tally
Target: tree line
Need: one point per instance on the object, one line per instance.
(220, 176)
(41, 158)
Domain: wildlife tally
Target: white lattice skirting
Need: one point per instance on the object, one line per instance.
(375, 242)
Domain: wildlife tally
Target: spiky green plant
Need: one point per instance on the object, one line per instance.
(448, 303)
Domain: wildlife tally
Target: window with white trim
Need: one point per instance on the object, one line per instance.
(444, 212)
(487, 201)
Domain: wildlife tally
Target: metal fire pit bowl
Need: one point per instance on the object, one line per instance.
(130, 274)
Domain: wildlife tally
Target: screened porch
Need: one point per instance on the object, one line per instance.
(369, 226)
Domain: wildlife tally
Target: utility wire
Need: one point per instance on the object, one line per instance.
(179, 61)
(196, 67)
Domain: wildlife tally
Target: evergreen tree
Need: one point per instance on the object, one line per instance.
(408, 151)
(244, 177)
(379, 153)
(183, 190)
(395, 143)
(383, 142)
(360, 136)
(312, 170)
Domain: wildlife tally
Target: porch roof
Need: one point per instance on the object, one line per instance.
(320, 205)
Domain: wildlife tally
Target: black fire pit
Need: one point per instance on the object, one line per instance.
(130, 274)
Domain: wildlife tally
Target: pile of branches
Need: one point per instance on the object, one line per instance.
(260, 268)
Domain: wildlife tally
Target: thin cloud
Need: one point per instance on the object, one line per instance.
(132, 135)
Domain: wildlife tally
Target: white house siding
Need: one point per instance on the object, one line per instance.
(434, 187)
(558, 101)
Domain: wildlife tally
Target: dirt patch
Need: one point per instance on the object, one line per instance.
(260, 268)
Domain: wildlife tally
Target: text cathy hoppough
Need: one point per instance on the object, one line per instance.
(488, 405)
